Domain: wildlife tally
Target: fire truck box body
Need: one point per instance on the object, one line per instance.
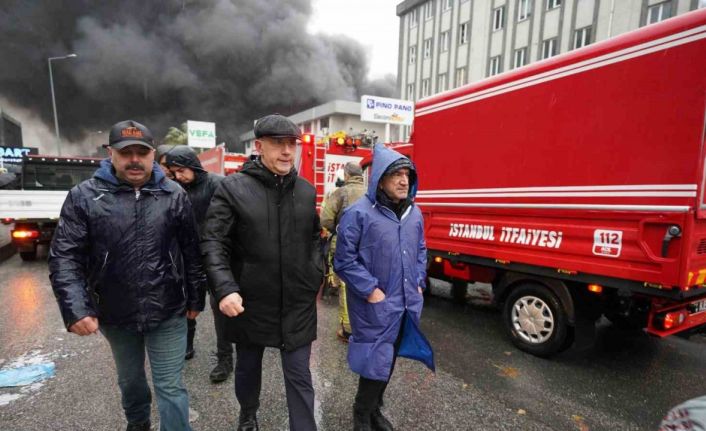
(583, 171)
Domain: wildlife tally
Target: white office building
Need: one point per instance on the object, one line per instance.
(448, 43)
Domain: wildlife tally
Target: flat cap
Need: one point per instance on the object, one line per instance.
(276, 126)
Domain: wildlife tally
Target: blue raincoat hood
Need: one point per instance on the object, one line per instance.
(383, 157)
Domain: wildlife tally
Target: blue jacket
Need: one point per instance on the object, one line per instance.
(376, 249)
(114, 252)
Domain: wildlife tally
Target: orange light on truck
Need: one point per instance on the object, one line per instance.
(307, 138)
(671, 319)
(438, 259)
(595, 288)
(25, 234)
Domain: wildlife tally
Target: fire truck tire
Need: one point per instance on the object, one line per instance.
(535, 320)
(29, 255)
(459, 290)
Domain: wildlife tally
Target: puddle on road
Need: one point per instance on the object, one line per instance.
(34, 357)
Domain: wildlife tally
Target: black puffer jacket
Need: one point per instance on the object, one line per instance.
(114, 252)
(200, 190)
(262, 240)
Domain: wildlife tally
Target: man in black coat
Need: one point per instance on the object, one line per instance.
(264, 264)
(112, 267)
(185, 166)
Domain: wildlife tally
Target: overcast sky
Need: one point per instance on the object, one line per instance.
(371, 22)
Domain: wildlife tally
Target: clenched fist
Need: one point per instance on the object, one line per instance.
(231, 305)
(86, 326)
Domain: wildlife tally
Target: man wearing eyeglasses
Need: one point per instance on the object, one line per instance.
(262, 256)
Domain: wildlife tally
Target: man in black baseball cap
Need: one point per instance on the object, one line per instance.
(131, 151)
(125, 262)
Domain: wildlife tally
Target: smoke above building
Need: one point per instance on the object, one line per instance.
(163, 62)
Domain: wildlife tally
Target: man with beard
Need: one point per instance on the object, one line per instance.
(264, 262)
(186, 168)
(112, 267)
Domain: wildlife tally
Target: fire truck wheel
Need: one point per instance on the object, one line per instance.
(535, 320)
(29, 255)
(459, 290)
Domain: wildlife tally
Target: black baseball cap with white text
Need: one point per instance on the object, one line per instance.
(129, 132)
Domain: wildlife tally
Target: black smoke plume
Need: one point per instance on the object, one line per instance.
(163, 62)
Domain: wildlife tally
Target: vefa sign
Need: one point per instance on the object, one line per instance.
(384, 110)
(201, 134)
(14, 155)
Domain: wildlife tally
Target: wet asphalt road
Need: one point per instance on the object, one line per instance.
(625, 382)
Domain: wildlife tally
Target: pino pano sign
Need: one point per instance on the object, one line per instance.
(201, 134)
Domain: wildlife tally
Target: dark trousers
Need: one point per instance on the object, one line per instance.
(190, 332)
(224, 347)
(297, 382)
(370, 392)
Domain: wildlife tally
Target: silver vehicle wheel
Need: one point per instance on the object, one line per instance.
(532, 319)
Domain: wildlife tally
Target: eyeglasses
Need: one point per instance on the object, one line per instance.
(281, 142)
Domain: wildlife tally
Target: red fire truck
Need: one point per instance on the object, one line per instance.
(575, 185)
(221, 162)
(320, 161)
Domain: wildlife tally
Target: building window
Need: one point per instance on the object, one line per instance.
(412, 54)
(582, 37)
(410, 91)
(520, 58)
(426, 87)
(553, 4)
(413, 18)
(427, 48)
(429, 9)
(441, 82)
(448, 4)
(463, 33)
(525, 10)
(460, 77)
(444, 42)
(323, 123)
(498, 18)
(549, 48)
(495, 65)
(659, 12)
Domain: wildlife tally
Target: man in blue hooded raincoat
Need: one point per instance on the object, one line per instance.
(381, 255)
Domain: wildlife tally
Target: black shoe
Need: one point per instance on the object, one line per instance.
(380, 422)
(248, 422)
(190, 353)
(139, 427)
(361, 420)
(222, 370)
